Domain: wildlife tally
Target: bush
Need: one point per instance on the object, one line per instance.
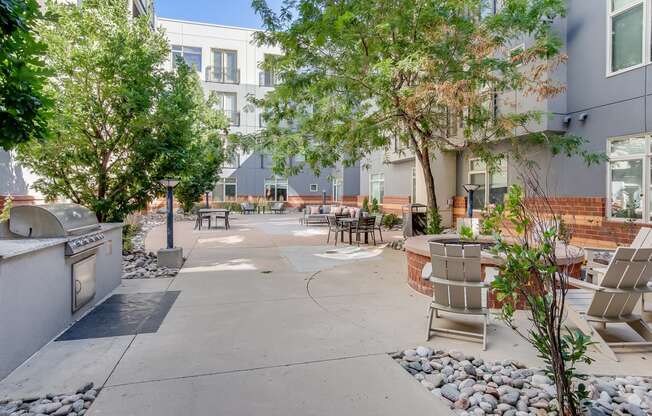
(390, 220)
(434, 222)
(374, 206)
(128, 233)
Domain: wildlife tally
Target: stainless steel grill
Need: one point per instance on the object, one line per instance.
(73, 222)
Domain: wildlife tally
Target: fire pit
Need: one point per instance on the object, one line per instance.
(417, 250)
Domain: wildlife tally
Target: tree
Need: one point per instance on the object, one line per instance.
(359, 74)
(206, 155)
(121, 123)
(23, 104)
(531, 273)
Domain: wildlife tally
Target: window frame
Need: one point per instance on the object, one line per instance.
(646, 182)
(647, 41)
(223, 181)
(224, 52)
(183, 52)
(313, 187)
(234, 120)
(487, 179)
(372, 181)
(275, 181)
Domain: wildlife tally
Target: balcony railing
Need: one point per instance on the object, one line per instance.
(268, 79)
(222, 75)
(233, 117)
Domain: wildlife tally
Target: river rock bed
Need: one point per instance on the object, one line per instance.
(138, 264)
(472, 387)
(70, 404)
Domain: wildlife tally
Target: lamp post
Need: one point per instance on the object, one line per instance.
(170, 184)
(470, 189)
(207, 196)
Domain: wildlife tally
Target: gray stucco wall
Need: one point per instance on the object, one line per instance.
(36, 296)
(398, 175)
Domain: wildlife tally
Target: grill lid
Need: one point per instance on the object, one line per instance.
(51, 220)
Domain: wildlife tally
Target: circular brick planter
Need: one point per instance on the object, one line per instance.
(417, 251)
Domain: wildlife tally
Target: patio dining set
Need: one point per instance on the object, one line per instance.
(342, 224)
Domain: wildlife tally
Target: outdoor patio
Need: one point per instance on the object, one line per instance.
(265, 310)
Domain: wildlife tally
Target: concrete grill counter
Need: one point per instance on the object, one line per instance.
(36, 289)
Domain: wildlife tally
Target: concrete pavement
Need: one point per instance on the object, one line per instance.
(269, 320)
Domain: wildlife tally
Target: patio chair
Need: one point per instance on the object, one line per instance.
(457, 287)
(224, 216)
(247, 208)
(278, 208)
(597, 259)
(334, 227)
(365, 226)
(200, 220)
(378, 224)
(613, 299)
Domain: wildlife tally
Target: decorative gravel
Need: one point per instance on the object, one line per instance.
(76, 404)
(138, 264)
(472, 387)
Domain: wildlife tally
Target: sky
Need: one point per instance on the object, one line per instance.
(224, 12)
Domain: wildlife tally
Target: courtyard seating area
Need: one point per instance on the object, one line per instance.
(288, 286)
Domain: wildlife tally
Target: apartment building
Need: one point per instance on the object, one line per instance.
(228, 63)
(608, 102)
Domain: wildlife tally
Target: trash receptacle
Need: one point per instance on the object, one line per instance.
(415, 220)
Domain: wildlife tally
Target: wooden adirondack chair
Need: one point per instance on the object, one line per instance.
(613, 299)
(457, 286)
(595, 257)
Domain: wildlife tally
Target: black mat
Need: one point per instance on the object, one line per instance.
(126, 314)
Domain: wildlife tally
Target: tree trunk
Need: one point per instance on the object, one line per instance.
(424, 157)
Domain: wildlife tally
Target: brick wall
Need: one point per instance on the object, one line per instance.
(18, 200)
(584, 216)
(394, 204)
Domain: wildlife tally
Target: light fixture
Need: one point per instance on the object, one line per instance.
(169, 182)
(567, 119)
(583, 117)
(470, 188)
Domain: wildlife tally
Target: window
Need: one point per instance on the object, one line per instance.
(314, 187)
(225, 66)
(268, 77)
(226, 190)
(190, 54)
(228, 103)
(377, 187)
(495, 182)
(337, 189)
(266, 161)
(626, 28)
(487, 8)
(276, 189)
(629, 158)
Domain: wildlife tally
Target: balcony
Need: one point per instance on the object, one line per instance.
(223, 75)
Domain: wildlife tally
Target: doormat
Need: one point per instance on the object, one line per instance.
(123, 314)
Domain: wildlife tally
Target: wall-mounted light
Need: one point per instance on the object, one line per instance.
(583, 117)
(567, 119)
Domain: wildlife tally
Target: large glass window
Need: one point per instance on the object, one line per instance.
(276, 189)
(338, 189)
(224, 66)
(191, 55)
(226, 190)
(268, 78)
(495, 181)
(626, 40)
(377, 187)
(629, 158)
(228, 103)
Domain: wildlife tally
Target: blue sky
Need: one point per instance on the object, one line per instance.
(223, 12)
